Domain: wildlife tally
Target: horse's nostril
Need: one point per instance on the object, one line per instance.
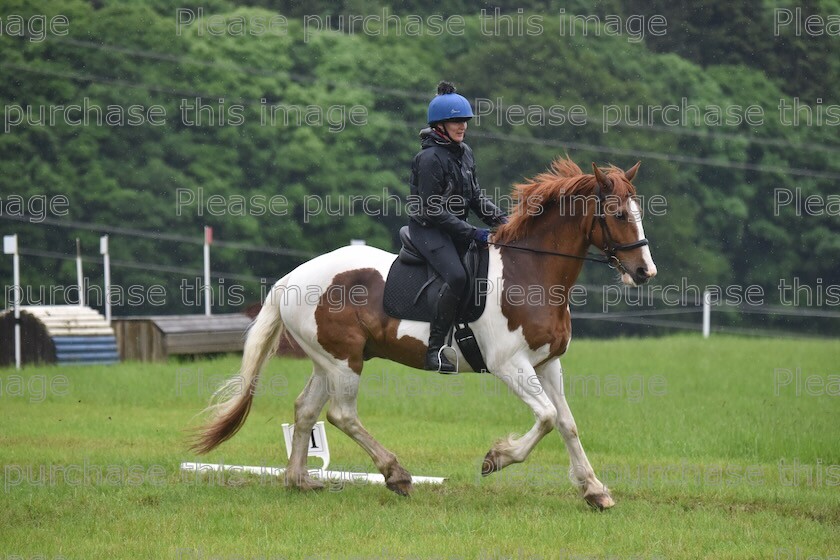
(642, 272)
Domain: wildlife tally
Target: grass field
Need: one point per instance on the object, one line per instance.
(712, 449)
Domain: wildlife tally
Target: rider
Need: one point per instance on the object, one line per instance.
(444, 188)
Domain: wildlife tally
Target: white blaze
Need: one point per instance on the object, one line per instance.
(637, 219)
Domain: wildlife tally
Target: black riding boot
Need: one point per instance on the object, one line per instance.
(445, 310)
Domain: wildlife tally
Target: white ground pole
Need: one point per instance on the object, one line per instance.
(318, 447)
(106, 265)
(208, 293)
(707, 314)
(79, 278)
(10, 247)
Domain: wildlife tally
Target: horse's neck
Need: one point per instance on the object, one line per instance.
(561, 228)
(571, 237)
(557, 233)
(547, 279)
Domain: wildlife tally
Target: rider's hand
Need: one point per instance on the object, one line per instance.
(481, 236)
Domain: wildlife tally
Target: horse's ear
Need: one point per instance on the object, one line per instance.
(602, 179)
(630, 173)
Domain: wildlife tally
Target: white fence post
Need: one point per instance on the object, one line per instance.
(208, 290)
(707, 313)
(79, 278)
(10, 247)
(106, 264)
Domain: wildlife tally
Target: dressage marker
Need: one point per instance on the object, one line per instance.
(318, 447)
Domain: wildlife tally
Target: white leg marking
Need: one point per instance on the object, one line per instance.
(308, 406)
(580, 471)
(522, 380)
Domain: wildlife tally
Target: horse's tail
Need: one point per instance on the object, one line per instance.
(231, 403)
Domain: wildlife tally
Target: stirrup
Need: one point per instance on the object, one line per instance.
(441, 355)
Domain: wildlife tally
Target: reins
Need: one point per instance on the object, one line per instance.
(589, 256)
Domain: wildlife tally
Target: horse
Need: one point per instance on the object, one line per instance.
(556, 217)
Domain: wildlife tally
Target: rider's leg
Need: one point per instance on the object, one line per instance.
(447, 262)
(445, 309)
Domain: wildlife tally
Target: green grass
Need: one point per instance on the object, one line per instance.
(672, 425)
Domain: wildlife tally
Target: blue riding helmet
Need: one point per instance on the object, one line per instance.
(449, 106)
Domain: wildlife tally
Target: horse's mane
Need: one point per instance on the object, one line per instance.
(564, 179)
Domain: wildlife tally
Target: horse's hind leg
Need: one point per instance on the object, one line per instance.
(580, 471)
(344, 388)
(308, 406)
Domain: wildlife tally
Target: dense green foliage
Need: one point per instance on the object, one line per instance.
(720, 227)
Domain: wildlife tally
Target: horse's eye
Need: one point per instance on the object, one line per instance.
(620, 216)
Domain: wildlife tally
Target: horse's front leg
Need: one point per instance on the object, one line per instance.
(522, 380)
(580, 471)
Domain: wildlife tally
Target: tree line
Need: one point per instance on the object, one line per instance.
(296, 142)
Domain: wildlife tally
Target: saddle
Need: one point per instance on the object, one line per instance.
(412, 286)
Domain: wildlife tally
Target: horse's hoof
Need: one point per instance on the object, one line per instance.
(401, 487)
(490, 463)
(398, 480)
(599, 501)
(304, 483)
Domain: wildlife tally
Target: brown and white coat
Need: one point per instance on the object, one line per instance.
(332, 306)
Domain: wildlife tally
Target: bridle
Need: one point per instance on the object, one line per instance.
(610, 248)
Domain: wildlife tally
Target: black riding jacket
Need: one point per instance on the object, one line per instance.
(444, 188)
